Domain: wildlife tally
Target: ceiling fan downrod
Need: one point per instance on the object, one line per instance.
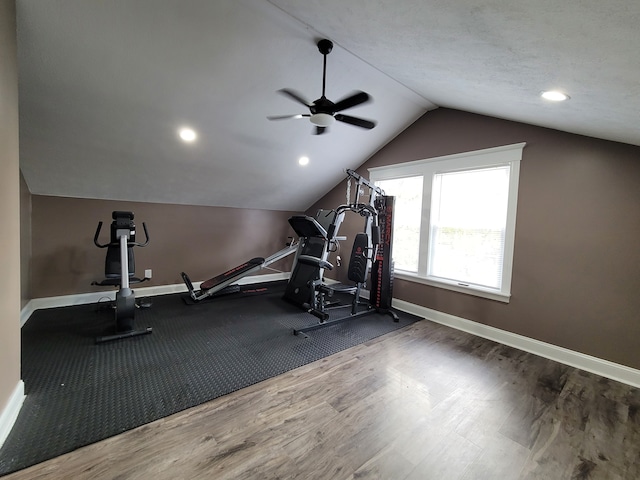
(325, 46)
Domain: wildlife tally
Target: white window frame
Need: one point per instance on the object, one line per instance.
(490, 157)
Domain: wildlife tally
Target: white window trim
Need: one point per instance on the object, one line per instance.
(503, 155)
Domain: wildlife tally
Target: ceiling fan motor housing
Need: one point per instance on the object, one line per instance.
(325, 46)
(322, 105)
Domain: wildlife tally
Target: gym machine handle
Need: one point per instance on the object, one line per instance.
(375, 234)
(129, 244)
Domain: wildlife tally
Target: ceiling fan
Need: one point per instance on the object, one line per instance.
(323, 112)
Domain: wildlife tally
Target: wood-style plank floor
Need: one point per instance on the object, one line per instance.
(426, 402)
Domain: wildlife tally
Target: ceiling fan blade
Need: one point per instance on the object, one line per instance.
(320, 130)
(286, 117)
(351, 101)
(358, 122)
(292, 94)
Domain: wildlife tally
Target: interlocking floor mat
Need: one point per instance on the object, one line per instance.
(79, 392)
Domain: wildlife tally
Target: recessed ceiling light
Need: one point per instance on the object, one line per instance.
(187, 134)
(555, 96)
(303, 161)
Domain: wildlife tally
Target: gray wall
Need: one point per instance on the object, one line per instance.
(576, 275)
(9, 206)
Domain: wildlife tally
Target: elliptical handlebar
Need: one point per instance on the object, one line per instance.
(146, 238)
(95, 237)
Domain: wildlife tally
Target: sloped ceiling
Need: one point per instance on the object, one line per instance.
(104, 86)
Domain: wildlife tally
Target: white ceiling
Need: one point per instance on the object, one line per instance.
(104, 86)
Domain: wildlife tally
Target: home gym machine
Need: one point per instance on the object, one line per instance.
(119, 271)
(225, 282)
(317, 240)
(371, 253)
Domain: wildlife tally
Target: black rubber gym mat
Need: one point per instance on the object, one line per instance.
(79, 392)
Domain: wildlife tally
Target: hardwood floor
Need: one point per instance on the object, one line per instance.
(426, 402)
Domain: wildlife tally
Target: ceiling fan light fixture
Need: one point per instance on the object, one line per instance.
(322, 119)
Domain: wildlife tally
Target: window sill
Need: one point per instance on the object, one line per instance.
(476, 291)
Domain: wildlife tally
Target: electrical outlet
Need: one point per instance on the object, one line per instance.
(147, 273)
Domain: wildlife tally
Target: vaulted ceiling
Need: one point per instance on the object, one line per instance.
(105, 86)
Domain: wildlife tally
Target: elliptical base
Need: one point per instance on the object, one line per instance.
(118, 336)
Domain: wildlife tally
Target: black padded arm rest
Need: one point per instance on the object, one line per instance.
(314, 262)
(306, 226)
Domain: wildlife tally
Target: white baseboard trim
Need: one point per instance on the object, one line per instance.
(604, 368)
(10, 412)
(94, 297)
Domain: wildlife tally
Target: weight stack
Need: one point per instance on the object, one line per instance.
(382, 271)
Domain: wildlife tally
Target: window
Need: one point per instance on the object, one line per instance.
(406, 220)
(454, 219)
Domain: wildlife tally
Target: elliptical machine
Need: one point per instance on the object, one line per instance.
(119, 271)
